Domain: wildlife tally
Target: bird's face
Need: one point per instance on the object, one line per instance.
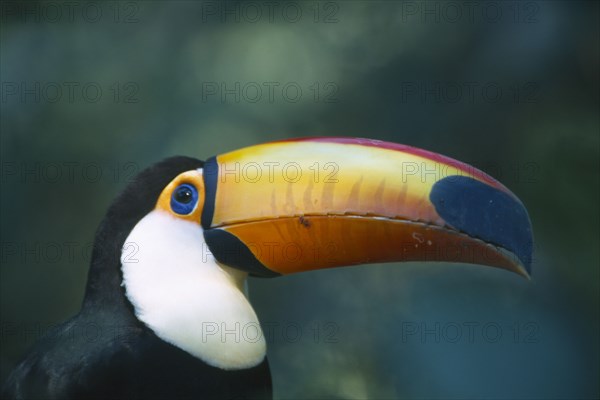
(293, 206)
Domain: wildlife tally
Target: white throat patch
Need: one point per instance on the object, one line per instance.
(187, 297)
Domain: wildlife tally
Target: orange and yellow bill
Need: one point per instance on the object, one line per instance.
(313, 203)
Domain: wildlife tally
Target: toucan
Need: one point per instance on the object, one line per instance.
(172, 255)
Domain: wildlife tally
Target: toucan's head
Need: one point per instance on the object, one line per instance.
(293, 206)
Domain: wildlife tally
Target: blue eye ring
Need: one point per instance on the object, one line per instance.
(184, 199)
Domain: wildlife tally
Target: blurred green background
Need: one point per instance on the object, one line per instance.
(94, 92)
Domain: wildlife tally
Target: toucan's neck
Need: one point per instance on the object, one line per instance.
(186, 297)
(104, 284)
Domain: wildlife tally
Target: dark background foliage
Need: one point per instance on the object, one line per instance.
(94, 92)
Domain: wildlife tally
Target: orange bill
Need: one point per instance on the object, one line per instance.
(306, 204)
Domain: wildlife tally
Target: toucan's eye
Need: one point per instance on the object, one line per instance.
(184, 199)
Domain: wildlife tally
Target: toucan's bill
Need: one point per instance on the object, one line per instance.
(313, 203)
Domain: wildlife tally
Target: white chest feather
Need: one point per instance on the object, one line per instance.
(186, 297)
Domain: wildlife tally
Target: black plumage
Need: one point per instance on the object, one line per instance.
(105, 352)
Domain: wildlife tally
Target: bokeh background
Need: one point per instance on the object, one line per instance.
(94, 92)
